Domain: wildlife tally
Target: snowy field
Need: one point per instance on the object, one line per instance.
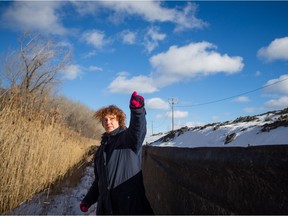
(261, 130)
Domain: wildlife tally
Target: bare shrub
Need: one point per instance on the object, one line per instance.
(77, 117)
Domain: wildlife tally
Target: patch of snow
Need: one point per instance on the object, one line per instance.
(65, 203)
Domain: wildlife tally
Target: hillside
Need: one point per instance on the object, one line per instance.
(265, 129)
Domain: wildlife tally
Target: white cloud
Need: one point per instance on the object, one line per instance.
(277, 50)
(278, 86)
(188, 19)
(154, 11)
(153, 33)
(177, 64)
(34, 15)
(279, 103)
(90, 54)
(128, 37)
(192, 60)
(241, 99)
(157, 103)
(177, 114)
(152, 37)
(159, 116)
(123, 85)
(72, 72)
(215, 118)
(258, 73)
(95, 38)
(94, 68)
(86, 7)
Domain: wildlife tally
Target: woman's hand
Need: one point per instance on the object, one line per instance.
(136, 101)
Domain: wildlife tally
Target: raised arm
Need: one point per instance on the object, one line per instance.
(137, 127)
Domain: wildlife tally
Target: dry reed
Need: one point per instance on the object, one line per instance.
(33, 154)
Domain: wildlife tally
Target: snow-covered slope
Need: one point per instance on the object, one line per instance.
(266, 129)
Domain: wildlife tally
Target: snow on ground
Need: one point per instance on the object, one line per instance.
(209, 138)
(258, 130)
(247, 131)
(65, 203)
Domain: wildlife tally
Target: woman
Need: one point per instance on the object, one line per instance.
(118, 186)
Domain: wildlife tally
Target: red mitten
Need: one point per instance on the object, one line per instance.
(136, 101)
(84, 207)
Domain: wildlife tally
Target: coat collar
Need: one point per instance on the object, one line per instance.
(106, 136)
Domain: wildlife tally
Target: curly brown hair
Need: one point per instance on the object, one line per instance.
(111, 110)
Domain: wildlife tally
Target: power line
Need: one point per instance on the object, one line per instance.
(227, 98)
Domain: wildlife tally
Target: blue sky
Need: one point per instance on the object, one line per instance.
(218, 60)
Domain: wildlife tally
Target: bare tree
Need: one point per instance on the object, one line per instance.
(35, 66)
(32, 73)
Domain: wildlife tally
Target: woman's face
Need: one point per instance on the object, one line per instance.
(110, 123)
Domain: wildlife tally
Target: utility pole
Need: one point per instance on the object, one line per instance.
(152, 127)
(172, 101)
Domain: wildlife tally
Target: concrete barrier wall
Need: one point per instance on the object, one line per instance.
(228, 180)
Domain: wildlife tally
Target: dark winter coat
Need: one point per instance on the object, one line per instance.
(118, 187)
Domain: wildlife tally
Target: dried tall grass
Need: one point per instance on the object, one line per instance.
(34, 152)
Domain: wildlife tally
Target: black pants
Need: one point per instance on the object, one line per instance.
(129, 198)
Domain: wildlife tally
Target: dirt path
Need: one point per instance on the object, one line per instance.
(60, 201)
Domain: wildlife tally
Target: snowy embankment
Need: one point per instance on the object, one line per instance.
(266, 129)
